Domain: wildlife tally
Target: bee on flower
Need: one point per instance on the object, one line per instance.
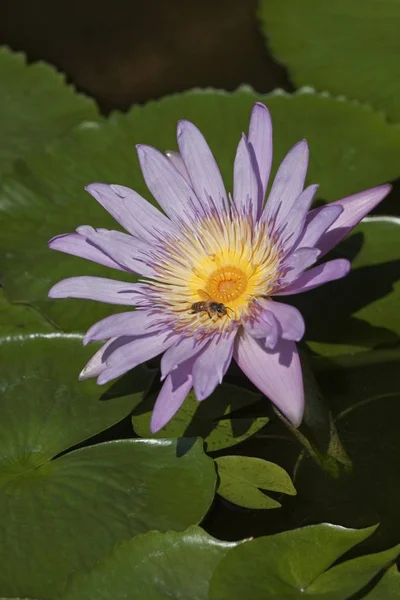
(214, 268)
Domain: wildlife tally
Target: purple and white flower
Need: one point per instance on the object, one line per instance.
(206, 249)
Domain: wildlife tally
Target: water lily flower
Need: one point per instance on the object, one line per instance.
(212, 266)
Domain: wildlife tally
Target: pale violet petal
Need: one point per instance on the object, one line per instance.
(133, 212)
(246, 183)
(200, 163)
(132, 354)
(75, 244)
(132, 323)
(355, 208)
(177, 160)
(173, 393)
(264, 326)
(169, 188)
(291, 322)
(318, 221)
(260, 139)
(276, 373)
(98, 288)
(329, 271)
(131, 253)
(288, 185)
(211, 365)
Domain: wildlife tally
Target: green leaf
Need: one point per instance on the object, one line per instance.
(77, 507)
(210, 419)
(363, 393)
(242, 477)
(284, 565)
(61, 514)
(36, 106)
(154, 566)
(351, 148)
(44, 408)
(347, 578)
(18, 321)
(360, 311)
(388, 588)
(349, 48)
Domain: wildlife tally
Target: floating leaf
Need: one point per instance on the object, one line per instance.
(351, 148)
(388, 588)
(209, 419)
(18, 321)
(154, 566)
(242, 477)
(293, 564)
(36, 106)
(78, 505)
(349, 48)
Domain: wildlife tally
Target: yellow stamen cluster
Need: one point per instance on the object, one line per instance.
(225, 259)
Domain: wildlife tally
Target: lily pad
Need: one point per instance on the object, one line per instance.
(388, 587)
(154, 566)
(36, 106)
(243, 477)
(61, 512)
(18, 321)
(210, 419)
(349, 48)
(294, 564)
(351, 148)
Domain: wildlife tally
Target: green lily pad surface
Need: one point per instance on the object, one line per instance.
(349, 48)
(61, 512)
(36, 106)
(294, 564)
(241, 479)
(154, 566)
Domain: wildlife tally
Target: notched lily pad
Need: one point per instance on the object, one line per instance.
(241, 479)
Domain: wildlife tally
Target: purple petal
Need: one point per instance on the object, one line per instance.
(329, 271)
(212, 364)
(75, 244)
(288, 185)
(296, 219)
(318, 221)
(97, 288)
(297, 262)
(174, 391)
(179, 352)
(177, 160)
(169, 188)
(291, 322)
(277, 374)
(200, 164)
(355, 207)
(132, 354)
(96, 365)
(133, 212)
(246, 184)
(132, 323)
(260, 139)
(265, 326)
(126, 250)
